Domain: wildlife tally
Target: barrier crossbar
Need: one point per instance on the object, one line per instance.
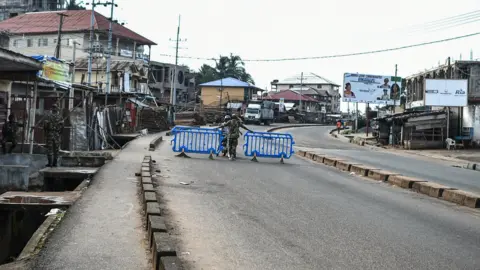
(196, 140)
(269, 145)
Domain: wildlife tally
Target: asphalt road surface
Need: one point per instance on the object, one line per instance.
(300, 215)
(441, 172)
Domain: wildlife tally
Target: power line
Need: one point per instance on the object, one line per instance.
(444, 21)
(336, 55)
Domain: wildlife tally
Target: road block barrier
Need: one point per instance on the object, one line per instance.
(269, 145)
(196, 140)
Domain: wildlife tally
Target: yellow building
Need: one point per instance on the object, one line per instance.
(228, 89)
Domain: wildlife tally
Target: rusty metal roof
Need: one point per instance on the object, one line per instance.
(77, 21)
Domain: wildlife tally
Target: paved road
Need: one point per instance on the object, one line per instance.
(412, 165)
(299, 215)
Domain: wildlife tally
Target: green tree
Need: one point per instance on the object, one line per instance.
(73, 5)
(226, 66)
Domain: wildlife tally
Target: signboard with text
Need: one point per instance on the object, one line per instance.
(376, 89)
(444, 92)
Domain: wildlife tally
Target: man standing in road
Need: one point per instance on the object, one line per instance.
(339, 126)
(9, 132)
(53, 127)
(234, 126)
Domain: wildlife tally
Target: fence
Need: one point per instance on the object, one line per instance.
(268, 144)
(196, 140)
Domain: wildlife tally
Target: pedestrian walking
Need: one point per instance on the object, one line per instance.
(53, 127)
(339, 126)
(234, 126)
(9, 132)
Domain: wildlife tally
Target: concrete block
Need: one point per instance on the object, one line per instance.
(431, 189)
(154, 143)
(403, 181)
(14, 177)
(301, 153)
(361, 169)
(462, 198)
(149, 197)
(147, 180)
(380, 175)
(471, 166)
(148, 187)
(330, 161)
(146, 174)
(318, 158)
(155, 224)
(309, 155)
(162, 247)
(153, 209)
(344, 165)
(171, 263)
(145, 164)
(145, 169)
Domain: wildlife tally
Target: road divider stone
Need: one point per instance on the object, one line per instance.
(331, 161)
(403, 181)
(318, 158)
(301, 153)
(463, 198)
(345, 165)
(309, 155)
(148, 187)
(431, 189)
(361, 170)
(155, 224)
(155, 142)
(380, 175)
(170, 263)
(162, 247)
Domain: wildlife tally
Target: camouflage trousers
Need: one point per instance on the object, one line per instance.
(53, 146)
(233, 142)
(4, 141)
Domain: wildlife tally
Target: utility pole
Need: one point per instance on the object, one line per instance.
(394, 97)
(59, 38)
(71, 96)
(301, 85)
(109, 50)
(173, 90)
(90, 49)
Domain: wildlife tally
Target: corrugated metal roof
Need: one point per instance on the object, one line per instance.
(228, 82)
(308, 78)
(77, 21)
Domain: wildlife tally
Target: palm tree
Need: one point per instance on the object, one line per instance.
(205, 74)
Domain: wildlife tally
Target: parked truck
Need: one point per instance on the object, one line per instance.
(259, 112)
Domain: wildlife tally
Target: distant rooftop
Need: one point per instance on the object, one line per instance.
(230, 82)
(308, 78)
(76, 21)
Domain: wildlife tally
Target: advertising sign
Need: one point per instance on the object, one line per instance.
(56, 71)
(376, 89)
(441, 92)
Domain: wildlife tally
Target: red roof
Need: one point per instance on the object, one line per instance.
(289, 95)
(77, 21)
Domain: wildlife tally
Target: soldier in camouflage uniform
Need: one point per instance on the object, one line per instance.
(9, 132)
(53, 127)
(234, 126)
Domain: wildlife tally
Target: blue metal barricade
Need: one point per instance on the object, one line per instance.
(196, 140)
(268, 144)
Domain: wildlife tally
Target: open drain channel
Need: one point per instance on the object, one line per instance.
(23, 214)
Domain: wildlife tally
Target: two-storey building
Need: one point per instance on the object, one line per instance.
(315, 86)
(37, 34)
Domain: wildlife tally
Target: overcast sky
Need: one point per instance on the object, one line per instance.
(259, 29)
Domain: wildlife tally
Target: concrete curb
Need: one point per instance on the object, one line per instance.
(420, 186)
(155, 142)
(161, 245)
(294, 126)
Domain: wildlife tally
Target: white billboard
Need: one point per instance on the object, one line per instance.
(376, 89)
(442, 92)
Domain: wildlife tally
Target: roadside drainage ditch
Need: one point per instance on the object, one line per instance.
(27, 215)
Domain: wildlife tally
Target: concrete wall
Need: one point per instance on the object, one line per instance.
(15, 170)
